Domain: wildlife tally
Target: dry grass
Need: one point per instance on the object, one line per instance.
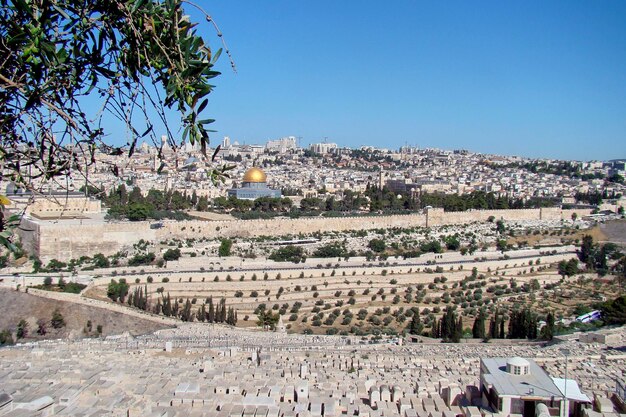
(17, 305)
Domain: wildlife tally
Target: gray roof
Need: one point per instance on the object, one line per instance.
(537, 383)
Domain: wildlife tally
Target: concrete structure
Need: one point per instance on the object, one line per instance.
(517, 386)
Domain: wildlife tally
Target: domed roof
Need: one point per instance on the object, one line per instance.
(255, 175)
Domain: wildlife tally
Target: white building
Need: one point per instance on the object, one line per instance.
(518, 386)
(322, 147)
(282, 145)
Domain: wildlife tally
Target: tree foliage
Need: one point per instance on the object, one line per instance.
(57, 321)
(289, 253)
(172, 254)
(614, 311)
(225, 247)
(140, 57)
(117, 291)
(377, 245)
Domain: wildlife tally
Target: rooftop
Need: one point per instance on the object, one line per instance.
(537, 383)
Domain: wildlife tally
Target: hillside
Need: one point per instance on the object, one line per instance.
(17, 305)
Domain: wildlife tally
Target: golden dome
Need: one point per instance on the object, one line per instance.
(255, 175)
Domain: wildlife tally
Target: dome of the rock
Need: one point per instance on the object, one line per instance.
(255, 175)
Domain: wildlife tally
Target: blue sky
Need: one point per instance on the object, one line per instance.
(532, 78)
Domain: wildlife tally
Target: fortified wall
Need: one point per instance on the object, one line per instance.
(66, 240)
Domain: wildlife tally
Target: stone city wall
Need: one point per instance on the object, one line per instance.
(438, 217)
(65, 241)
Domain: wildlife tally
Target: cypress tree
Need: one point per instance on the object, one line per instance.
(458, 333)
(513, 324)
(211, 313)
(434, 330)
(223, 310)
(201, 313)
(416, 327)
(175, 308)
(548, 329)
(492, 327)
(478, 329)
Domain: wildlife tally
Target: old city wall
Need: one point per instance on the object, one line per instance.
(64, 242)
(438, 217)
(67, 241)
(284, 227)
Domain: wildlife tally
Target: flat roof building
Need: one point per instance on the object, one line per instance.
(519, 386)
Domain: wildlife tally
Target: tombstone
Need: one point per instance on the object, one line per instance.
(453, 395)
(302, 391)
(168, 346)
(289, 395)
(396, 393)
(316, 407)
(304, 370)
(385, 394)
(374, 396)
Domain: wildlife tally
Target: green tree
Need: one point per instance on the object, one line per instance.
(139, 211)
(22, 329)
(57, 320)
(614, 311)
(117, 291)
(416, 327)
(267, 319)
(452, 243)
(141, 56)
(500, 226)
(225, 247)
(331, 250)
(478, 329)
(6, 338)
(586, 251)
(289, 253)
(171, 254)
(377, 245)
(203, 204)
(547, 332)
(100, 261)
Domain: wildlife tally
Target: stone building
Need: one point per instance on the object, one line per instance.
(254, 186)
(517, 386)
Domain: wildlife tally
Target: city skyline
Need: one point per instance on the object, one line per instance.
(534, 80)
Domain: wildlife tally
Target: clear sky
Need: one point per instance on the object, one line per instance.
(530, 78)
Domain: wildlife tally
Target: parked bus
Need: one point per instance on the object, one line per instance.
(591, 316)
